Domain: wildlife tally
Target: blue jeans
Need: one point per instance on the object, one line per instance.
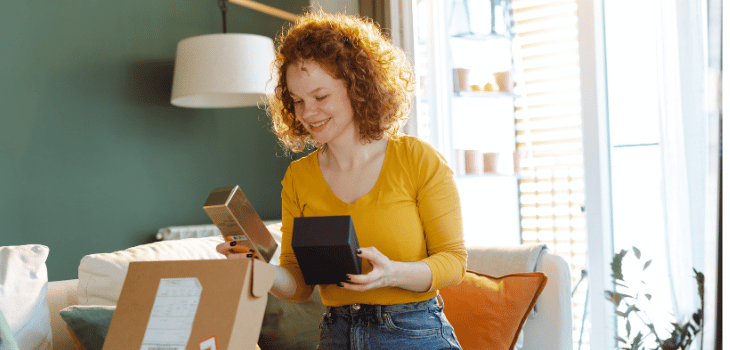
(420, 325)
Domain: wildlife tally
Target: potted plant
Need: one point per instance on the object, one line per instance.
(630, 301)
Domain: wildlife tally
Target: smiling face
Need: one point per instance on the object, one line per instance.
(320, 102)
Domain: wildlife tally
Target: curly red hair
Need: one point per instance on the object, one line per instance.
(377, 74)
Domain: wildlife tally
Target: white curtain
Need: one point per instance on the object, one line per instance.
(712, 336)
(681, 58)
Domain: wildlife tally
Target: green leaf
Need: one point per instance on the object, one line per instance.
(628, 327)
(620, 284)
(648, 296)
(647, 264)
(616, 265)
(700, 277)
(637, 342)
(616, 298)
(632, 308)
(697, 316)
(637, 252)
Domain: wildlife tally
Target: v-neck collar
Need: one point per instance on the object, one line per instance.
(366, 197)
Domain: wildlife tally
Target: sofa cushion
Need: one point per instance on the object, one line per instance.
(489, 312)
(292, 325)
(23, 286)
(102, 275)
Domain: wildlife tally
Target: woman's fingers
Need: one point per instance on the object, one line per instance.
(226, 248)
(373, 255)
(223, 248)
(377, 278)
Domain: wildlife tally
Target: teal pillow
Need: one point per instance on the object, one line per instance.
(89, 323)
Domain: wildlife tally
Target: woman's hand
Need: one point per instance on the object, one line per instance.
(413, 276)
(380, 276)
(226, 248)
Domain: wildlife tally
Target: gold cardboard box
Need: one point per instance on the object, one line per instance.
(237, 220)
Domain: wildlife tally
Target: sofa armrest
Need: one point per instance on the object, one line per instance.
(61, 294)
(552, 329)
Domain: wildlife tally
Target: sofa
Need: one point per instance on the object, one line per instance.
(546, 326)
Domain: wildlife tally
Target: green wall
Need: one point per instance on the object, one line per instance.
(93, 158)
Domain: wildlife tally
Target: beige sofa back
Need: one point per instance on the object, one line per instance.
(61, 294)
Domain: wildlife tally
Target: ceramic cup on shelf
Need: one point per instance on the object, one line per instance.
(491, 160)
(504, 81)
(473, 161)
(461, 79)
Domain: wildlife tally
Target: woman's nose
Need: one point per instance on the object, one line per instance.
(309, 110)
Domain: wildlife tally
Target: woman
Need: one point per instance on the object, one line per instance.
(346, 89)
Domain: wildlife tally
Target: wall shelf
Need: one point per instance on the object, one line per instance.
(483, 94)
(467, 176)
(481, 36)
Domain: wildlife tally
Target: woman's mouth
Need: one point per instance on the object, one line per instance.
(317, 127)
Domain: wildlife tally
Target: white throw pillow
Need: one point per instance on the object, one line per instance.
(23, 286)
(101, 276)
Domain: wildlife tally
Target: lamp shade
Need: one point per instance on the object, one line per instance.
(222, 70)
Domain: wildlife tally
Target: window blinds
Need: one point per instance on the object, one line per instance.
(549, 137)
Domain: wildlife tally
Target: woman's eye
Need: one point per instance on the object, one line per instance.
(298, 102)
(322, 97)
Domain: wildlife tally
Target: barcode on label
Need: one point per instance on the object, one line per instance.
(239, 238)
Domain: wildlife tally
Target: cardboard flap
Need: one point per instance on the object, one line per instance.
(262, 279)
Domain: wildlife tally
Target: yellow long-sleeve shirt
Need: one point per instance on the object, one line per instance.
(412, 214)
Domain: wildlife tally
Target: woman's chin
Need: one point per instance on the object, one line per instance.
(319, 139)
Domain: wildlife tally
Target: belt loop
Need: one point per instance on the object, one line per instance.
(328, 314)
(440, 300)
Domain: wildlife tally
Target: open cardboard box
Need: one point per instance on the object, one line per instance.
(196, 304)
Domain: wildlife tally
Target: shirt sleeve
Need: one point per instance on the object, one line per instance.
(289, 210)
(440, 210)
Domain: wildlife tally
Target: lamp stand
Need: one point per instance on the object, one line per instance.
(272, 11)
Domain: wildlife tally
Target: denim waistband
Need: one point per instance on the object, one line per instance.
(363, 309)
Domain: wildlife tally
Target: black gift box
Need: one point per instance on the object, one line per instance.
(326, 248)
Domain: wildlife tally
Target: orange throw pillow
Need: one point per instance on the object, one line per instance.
(487, 312)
